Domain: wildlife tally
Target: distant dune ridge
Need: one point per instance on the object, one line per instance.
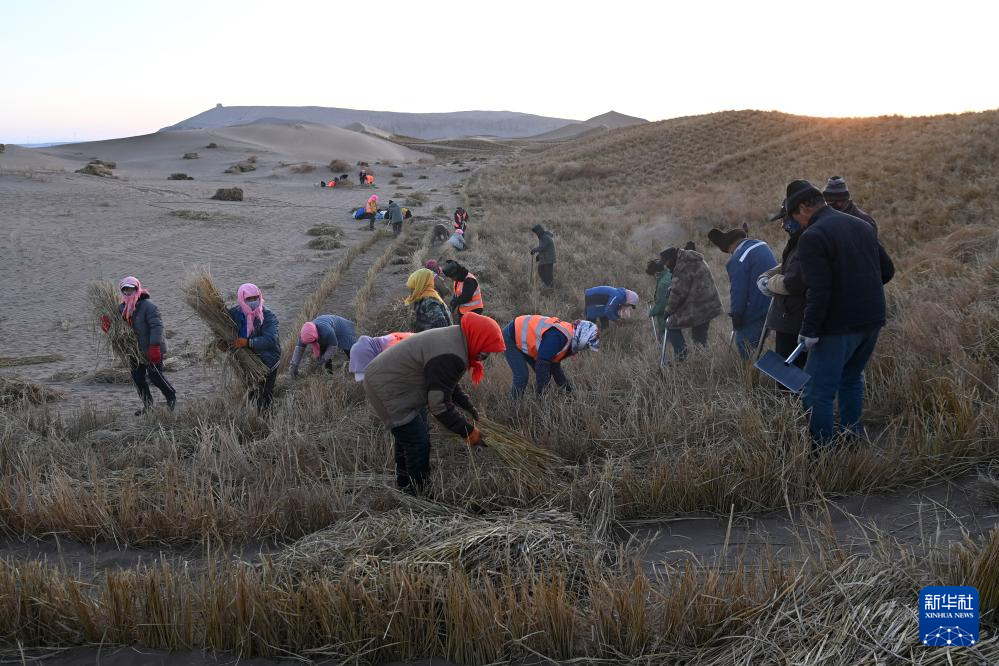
(505, 124)
(602, 123)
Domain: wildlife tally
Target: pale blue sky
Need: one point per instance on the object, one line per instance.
(88, 70)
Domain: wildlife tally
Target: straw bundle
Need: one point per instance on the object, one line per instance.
(104, 299)
(204, 298)
(14, 390)
(516, 541)
(517, 451)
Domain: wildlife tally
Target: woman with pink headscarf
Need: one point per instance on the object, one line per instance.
(324, 335)
(144, 318)
(371, 211)
(257, 329)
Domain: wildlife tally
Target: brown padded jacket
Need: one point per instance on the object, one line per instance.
(420, 372)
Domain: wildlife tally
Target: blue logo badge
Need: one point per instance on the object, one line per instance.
(948, 615)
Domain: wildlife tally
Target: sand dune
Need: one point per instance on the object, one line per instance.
(16, 158)
(597, 124)
(288, 142)
(506, 124)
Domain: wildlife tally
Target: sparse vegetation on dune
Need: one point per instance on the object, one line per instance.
(517, 554)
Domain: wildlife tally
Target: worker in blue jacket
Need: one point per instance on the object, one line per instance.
(606, 304)
(748, 305)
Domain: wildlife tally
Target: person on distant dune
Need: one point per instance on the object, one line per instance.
(747, 306)
(429, 309)
(693, 298)
(257, 328)
(326, 334)
(606, 304)
(144, 318)
(544, 255)
(371, 211)
(541, 343)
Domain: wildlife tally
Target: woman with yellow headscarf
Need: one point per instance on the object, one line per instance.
(429, 310)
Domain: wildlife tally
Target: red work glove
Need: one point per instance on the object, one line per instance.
(240, 343)
(154, 354)
(105, 323)
(474, 438)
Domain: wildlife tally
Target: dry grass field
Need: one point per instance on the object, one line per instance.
(285, 536)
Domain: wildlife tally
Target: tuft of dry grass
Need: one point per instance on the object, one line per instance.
(339, 166)
(15, 361)
(228, 194)
(15, 391)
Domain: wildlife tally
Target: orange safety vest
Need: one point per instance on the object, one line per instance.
(476, 301)
(528, 330)
(369, 179)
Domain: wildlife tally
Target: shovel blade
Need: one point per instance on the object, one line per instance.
(791, 376)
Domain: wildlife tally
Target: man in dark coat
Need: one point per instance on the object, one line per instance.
(845, 269)
(837, 196)
(785, 284)
(544, 254)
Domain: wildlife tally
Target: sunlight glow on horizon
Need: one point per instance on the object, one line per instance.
(123, 68)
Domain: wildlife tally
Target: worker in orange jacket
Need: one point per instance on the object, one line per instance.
(542, 343)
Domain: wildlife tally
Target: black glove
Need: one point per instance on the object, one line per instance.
(736, 322)
(475, 413)
(534, 250)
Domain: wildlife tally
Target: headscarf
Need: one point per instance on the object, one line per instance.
(630, 297)
(431, 264)
(421, 285)
(373, 197)
(309, 335)
(364, 351)
(133, 300)
(245, 291)
(586, 336)
(482, 334)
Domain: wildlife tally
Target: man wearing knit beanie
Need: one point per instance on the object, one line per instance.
(844, 268)
(837, 195)
(747, 305)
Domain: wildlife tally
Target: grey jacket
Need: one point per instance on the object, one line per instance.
(395, 213)
(147, 324)
(421, 372)
(546, 247)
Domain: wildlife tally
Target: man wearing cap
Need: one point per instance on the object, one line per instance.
(844, 269)
(748, 305)
(837, 196)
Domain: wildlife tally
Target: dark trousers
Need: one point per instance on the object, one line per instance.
(151, 372)
(370, 217)
(396, 228)
(264, 393)
(836, 365)
(547, 274)
(679, 344)
(784, 344)
(412, 454)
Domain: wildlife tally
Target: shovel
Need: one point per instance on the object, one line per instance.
(780, 370)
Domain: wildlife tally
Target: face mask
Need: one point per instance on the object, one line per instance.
(252, 303)
(791, 226)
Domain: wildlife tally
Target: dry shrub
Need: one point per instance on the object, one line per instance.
(242, 167)
(3, 147)
(228, 194)
(15, 391)
(192, 156)
(339, 166)
(398, 174)
(179, 176)
(325, 243)
(96, 170)
(212, 146)
(325, 230)
(14, 361)
(186, 214)
(302, 168)
(575, 170)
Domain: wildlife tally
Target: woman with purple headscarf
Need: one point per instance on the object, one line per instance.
(367, 348)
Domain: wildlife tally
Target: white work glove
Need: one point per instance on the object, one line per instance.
(808, 342)
(763, 285)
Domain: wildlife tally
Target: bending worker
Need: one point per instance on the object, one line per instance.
(367, 348)
(542, 343)
(467, 293)
(326, 334)
(608, 304)
(421, 373)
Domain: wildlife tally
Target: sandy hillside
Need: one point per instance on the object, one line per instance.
(62, 230)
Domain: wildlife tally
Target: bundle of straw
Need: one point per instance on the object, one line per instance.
(518, 451)
(14, 390)
(120, 340)
(204, 298)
